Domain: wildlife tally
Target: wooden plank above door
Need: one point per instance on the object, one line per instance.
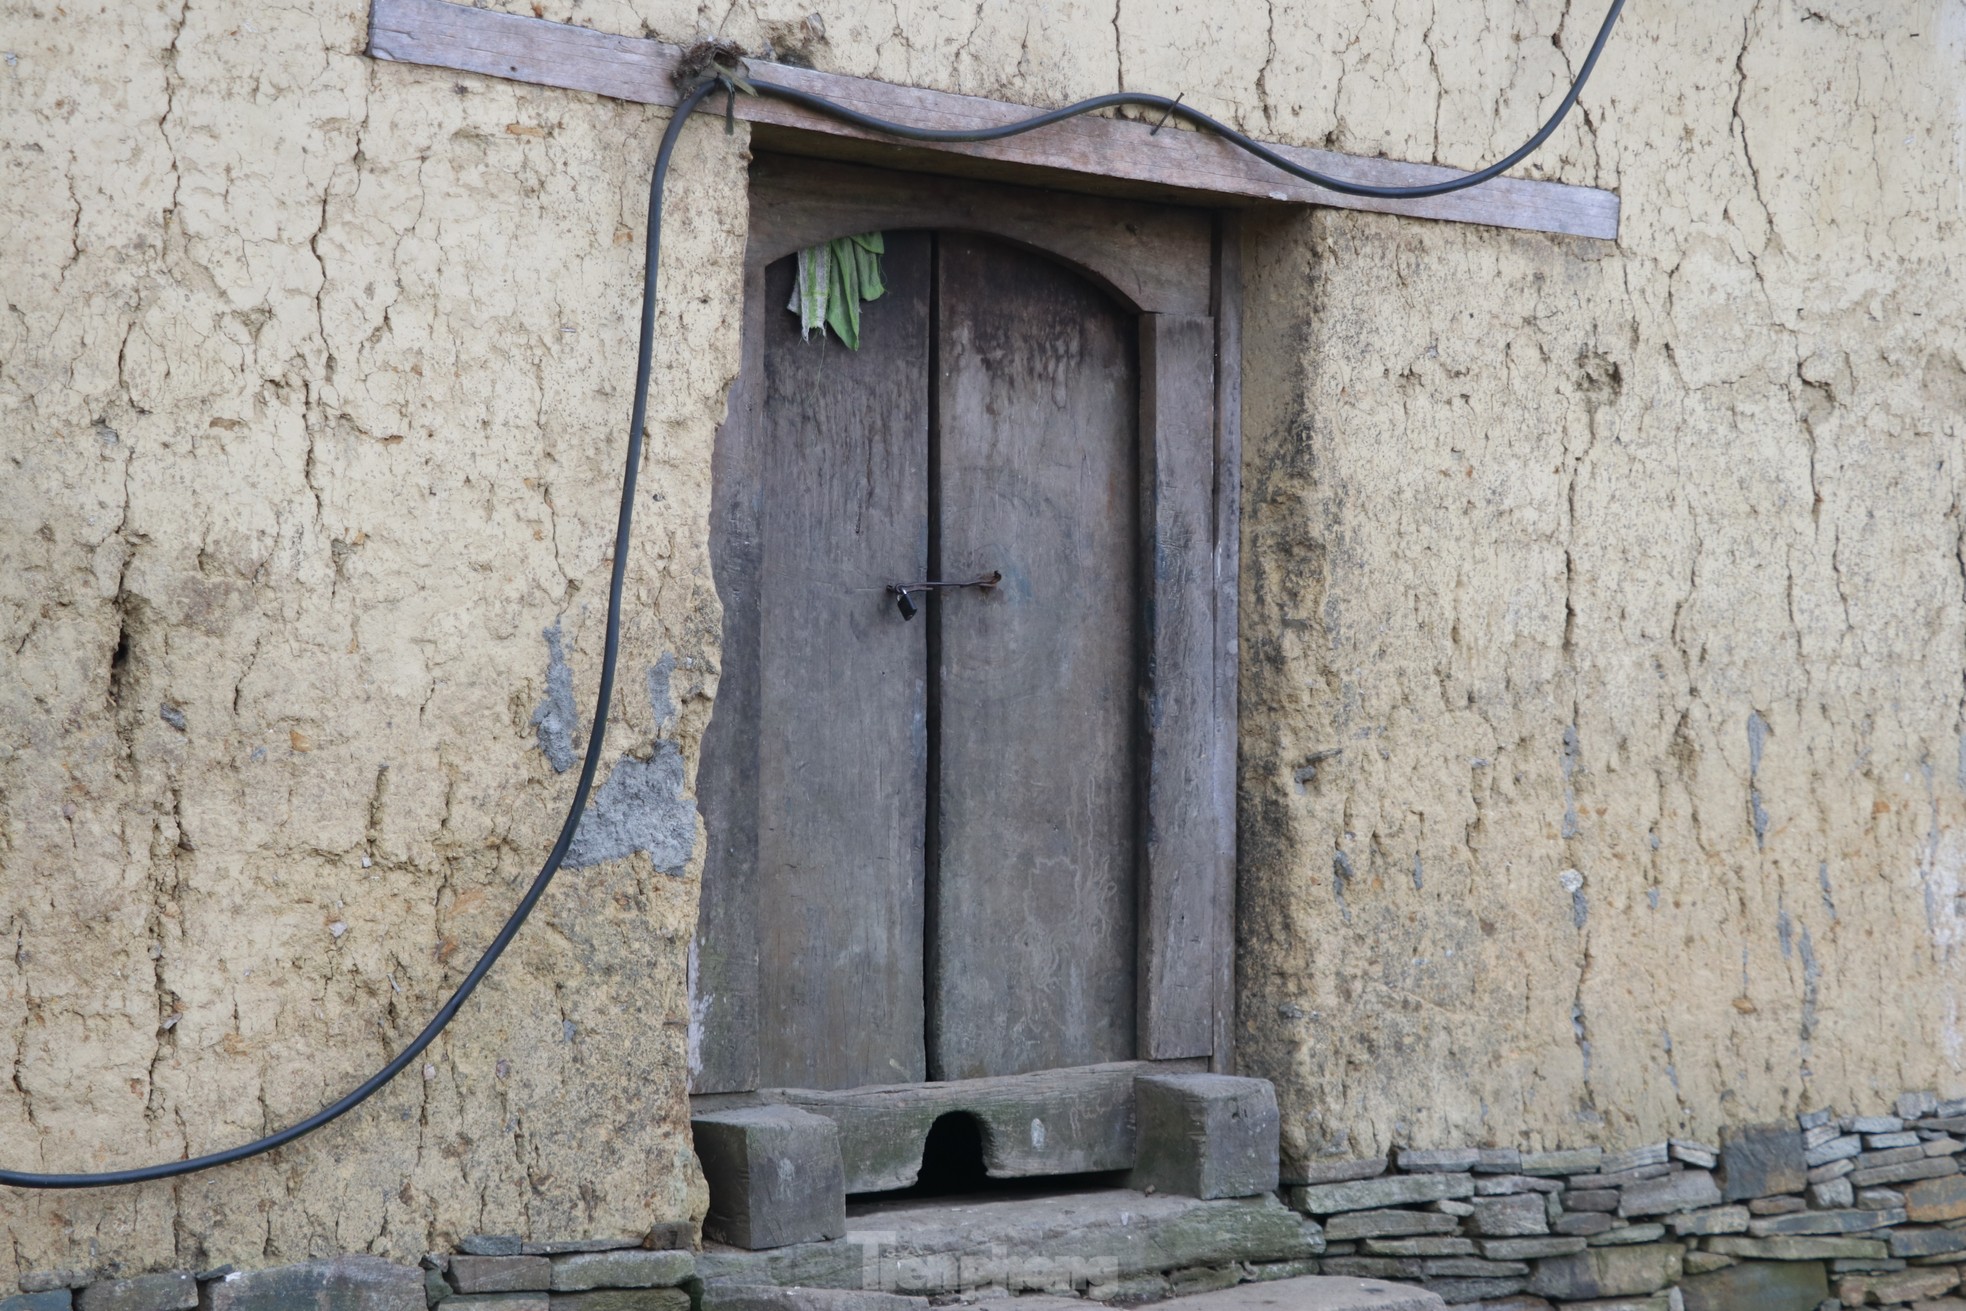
(1089, 152)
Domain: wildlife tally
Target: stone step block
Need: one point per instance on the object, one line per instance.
(1205, 1135)
(622, 1269)
(500, 1274)
(776, 1176)
(1371, 1194)
(1763, 1286)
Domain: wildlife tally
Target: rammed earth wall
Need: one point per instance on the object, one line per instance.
(1604, 623)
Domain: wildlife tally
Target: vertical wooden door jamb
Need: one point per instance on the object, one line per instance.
(723, 1035)
(1180, 847)
(1227, 303)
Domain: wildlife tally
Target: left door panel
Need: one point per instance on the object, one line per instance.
(842, 695)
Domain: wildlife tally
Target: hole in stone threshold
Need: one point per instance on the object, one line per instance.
(952, 1166)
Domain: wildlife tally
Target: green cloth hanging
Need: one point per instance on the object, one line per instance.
(833, 279)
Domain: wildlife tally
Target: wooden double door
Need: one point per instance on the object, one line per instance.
(933, 850)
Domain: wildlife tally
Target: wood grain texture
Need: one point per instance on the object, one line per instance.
(1179, 902)
(1228, 661)
(723, 982)
(1066, 1121)
(1033, 888)
(1152, 257)
(1109, 150)
(842, 746)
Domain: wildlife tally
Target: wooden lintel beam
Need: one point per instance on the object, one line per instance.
(471, 40)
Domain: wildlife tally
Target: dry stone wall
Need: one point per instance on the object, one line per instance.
(1604, 618)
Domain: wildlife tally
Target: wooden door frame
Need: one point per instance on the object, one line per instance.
(1179, 270)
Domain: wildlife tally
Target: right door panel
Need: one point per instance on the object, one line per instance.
(1032, 880)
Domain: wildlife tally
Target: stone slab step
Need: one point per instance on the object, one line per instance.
(1029, 1244)
(1310, 1293)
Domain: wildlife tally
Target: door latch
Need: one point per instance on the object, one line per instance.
(906, 604)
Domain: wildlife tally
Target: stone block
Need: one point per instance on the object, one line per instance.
(1910, 1171)
(776, 1177)
(1498, 1160)
(1930, 1201)
(54, 1299)
(1593, 1199)
(671, 1235)
(1701, 1263)
(1713, 1220)
(1370, 1194)
(1326, 1171)
(1832, 1170)
(1500, 1185)
(436, 1288)
(1205, 1135)
(1835, 1148)
(175, 1291)
(1472, 1267)
(1926, 1242)
(1879, 1199)
(1762, 1286)
(1762, 1160)
(1689, 1190)
(46, 1281)
(1586, 1224)
(1797, 1248)
(1913, 1285)
(1262, 1271)
(1528, 1249)
(1315, 1294)
(500, 1274)
(1915, 1105)
(629, 1269)
(623, 1299)
(1608, 1272)
(1516, 1215)
(1633, 1158)
(490, 1245)
(1872, 1124)
(341, 1283)
(1621, 1178)
(1776, 1205)
(1203, 1279)
(1832, 1194)
(1452, 1206)
(1424, 1245)
(568, 1246)
(1387, 1224)
(1703, 1155)
(1459, 1291)
(1579, 1160)
(1641, 1233)
(1848, 1221)
(1878, 1142)
(1426, 1161)
(529, 1300)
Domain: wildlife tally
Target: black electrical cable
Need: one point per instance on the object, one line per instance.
(611, 650)
(1223, 130)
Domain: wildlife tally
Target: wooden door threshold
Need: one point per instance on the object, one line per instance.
(1071, 1121)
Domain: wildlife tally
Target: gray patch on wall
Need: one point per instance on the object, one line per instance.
(1757, 735)
(1572, 748)
(642, 806)
(553, 719)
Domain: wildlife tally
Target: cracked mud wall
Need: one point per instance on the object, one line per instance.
(311, 396)
(314, 376)
(1605, 611)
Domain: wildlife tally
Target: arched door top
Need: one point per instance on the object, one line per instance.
(1153, 259)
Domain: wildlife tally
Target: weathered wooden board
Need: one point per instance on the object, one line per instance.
(723, 983)
(842, 742)
(1032, 888)
(1228, 660)
(1179, 902)
(1153, 257)
(1172, 162)
(1069, 1121)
